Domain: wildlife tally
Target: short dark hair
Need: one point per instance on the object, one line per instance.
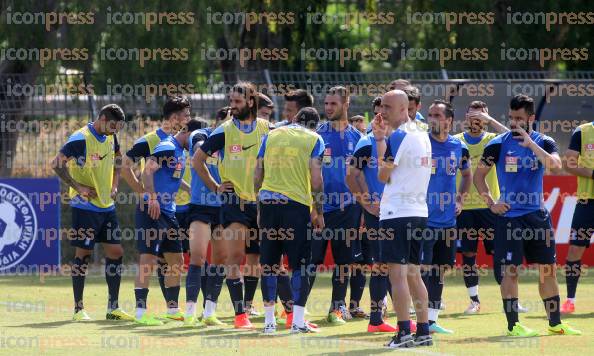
(377, 101)
(477, 104)
(413, 93)
(308, 117)
(196, 124)
(398, 83)
(112, 112)
(248, 90)
(340, 91)
(449, 109)
(522, 101)
(221, 114)
(301, 97)
(264, 101)
(175, 104)
(356, 118)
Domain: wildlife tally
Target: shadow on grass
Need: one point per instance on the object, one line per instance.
(52, 324)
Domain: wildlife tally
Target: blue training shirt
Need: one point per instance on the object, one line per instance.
(339, 148)
(446, 159)
(519, 171)
(365, 158)
(201, 195)
(167, 179)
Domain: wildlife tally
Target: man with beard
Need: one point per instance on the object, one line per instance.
(523, 228)
(237, 141)
(448, 155)
(342, 214)
(476, 219)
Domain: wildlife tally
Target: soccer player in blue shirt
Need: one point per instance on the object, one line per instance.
(157, 230)
(523, 228)
(448, 155)
(89, 163)
(342, 213)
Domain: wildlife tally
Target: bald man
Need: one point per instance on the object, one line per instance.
(404, 166)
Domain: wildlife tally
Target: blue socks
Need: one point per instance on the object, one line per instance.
(113, 277)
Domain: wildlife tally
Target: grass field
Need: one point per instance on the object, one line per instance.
(35, 319)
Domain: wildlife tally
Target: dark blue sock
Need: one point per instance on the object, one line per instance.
(203, 281)
(422, 329)
(339, 286)
(172, 295)
(284, 292)
(161, 267)
(251, 285)
(510, 307)
(299, 287)
(78, 273)
(357, 284)
(572, 276)
(141, 295)
(404, 327)
(269, 286)
(113, 277)
(552, 307)
(434, 289)
(193, 283)
(235, 287)
(214, 282)
(497, 271)
(377, 292)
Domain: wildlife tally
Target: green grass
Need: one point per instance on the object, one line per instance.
(35, 319)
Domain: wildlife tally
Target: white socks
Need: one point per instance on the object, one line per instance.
(209, 308)
(140, 312)
(299, 316)
(190, 308)
(433, 314)
(473, 291)
(172, 311)
(269, 315)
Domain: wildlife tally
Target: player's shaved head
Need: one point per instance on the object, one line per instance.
(395, 107)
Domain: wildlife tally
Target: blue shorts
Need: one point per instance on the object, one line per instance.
(476, 225)
(402, 242)
(207, 214)
(237, 210)
(285, 228)
(342, 232)
(439, 246)
(528, 236)
(160, 236)
(90, 227)
(582, 224)
(370, 243)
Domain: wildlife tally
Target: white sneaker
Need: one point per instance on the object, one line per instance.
(251, 311)
(521, 309)
(473, 308)
(270, 328)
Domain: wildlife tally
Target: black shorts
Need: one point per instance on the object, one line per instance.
(528, 236)
(342, 232)
(476, 225)
(207, 214)
(370, 243)
(582, 224)
(184, 224)
(237, 210)
(285, 229)
(90, 227)
(402, 240)
(439, 246)
(160, 236)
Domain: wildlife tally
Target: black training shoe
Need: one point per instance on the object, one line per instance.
(401, 341)
(423, 340)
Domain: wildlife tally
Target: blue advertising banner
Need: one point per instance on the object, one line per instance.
(29, 224)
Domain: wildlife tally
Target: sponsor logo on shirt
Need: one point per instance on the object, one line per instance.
(235, 148)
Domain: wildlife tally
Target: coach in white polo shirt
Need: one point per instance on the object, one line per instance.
(406, 169)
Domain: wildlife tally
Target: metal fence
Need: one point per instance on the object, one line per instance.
(37, 114)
